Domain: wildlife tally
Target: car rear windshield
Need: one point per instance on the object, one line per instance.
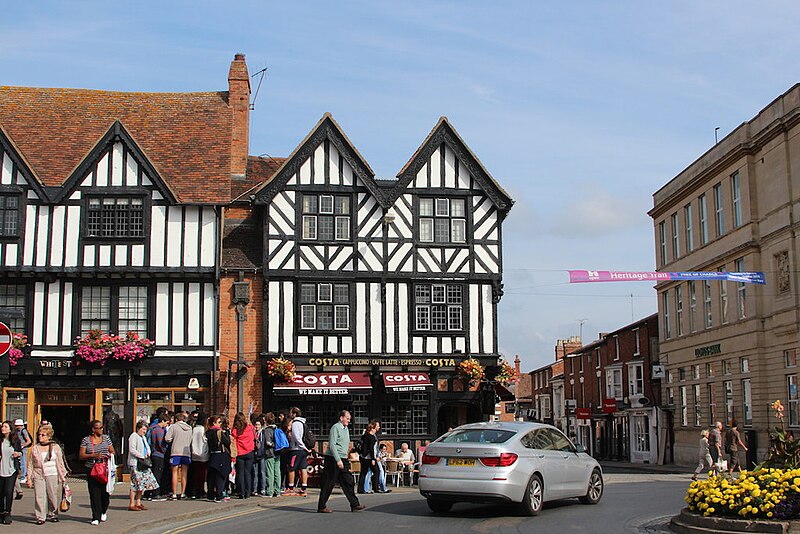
(477, 436)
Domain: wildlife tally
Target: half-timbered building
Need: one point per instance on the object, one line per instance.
(111, 207)
(378, 289)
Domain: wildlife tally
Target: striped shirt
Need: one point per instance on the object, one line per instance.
(91, 448)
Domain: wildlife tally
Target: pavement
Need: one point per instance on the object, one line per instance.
(610, 466)
(158, 514)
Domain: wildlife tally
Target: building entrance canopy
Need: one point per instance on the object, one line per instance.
(324, 384)
(406, 381)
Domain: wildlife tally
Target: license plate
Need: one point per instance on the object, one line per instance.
(461, 462)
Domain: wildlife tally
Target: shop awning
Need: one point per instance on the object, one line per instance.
(324, 384)
(406, 381)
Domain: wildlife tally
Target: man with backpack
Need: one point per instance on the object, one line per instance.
(300, 443)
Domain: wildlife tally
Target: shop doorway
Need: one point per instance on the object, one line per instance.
(71, 425)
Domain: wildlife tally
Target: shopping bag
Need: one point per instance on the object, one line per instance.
(112, 475)
(232, 474)
(722, 465)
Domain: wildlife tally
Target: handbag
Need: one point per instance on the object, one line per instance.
(143, 463)
(99, 470)
(66, 498)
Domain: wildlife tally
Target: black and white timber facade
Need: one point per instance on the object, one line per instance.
(366, 275)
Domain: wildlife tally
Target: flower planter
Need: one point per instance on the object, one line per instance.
(688, 522)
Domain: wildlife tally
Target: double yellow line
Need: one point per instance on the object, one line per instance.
(213, 520)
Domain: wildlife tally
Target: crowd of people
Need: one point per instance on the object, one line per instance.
(184, 455)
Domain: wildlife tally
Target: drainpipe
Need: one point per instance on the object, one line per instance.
(241, 297)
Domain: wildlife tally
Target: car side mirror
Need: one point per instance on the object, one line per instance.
(580, 449)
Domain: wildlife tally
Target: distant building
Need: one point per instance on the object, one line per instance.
(730, 349)
(612, 406)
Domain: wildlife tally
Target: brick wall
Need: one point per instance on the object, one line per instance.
(253, 341)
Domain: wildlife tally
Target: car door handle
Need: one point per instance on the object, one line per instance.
(565, 456)
(539, 455)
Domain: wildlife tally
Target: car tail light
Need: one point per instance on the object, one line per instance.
(504, 460)
(429, 460)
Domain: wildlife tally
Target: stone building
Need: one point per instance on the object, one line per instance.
(730, 349)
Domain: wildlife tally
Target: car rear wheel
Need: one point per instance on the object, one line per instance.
(534, 496)
(595, 490)
(439, 507)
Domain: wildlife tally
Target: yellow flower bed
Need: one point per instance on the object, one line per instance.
(767, 494)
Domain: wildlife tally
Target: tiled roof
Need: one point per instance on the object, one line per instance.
(185, 136)
(260, 170)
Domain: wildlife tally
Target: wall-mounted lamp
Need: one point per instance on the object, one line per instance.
(388, 219)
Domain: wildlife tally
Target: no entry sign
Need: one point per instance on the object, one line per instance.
(5, 338)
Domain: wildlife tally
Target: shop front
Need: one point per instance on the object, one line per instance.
(415, 399)
(70, 396)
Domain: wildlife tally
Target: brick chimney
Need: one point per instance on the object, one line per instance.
(565, 346)
(516, 367)
(239, 102)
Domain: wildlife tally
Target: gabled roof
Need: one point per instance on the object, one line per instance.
(326, 128)
(7, 145)
(115, 133)
(186, 137)
(444, 132)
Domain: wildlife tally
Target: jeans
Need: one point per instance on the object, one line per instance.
(260, 475)
(7, 494)
(244, 474)
(369, 471)
(381, 477)
(273, 467)
(23, 465)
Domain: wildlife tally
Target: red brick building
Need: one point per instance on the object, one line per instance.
(616, 412)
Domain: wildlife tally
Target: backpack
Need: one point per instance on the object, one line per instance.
(309, 439)
(259, 445)
(357, 447)
(280, 440)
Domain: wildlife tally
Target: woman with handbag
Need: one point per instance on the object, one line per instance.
(10, 454)
(139, 463)
(95, 450)
(47, 475)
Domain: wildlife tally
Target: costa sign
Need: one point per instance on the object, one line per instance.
(325, 383)
(408, 381)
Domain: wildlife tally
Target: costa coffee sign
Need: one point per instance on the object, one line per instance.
(408, 381)
(324, 384)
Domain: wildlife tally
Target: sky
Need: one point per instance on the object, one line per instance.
(580, 111)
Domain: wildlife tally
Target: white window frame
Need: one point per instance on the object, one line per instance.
(683, 407)
(708, 318)
(635, 379)
(747, 401)
(719, 210)
(310, 230)
(741, 289)
(667, 318)
(698, 411)
(678, 310)
(614, 384)
(692, 306)
(662, 234)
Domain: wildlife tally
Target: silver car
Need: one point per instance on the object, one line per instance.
(525, 463)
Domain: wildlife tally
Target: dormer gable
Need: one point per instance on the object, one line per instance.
(327, 129)
(445, 133)
(115, 161)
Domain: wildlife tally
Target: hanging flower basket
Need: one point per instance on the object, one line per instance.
(281, 368)
(507, 374)
(97, 347)
(471, 371)
(18, 350)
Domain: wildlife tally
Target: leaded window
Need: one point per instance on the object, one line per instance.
(9, 215)
(326, 217)
(117, 217)
(439, 307)
(12, 297)
(442, 220)
(324, 306)
(117, 310)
